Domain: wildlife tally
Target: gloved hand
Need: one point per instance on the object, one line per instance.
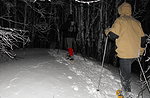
(107, 31)
(140, 58)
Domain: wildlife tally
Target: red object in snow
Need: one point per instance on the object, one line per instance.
(70, 50)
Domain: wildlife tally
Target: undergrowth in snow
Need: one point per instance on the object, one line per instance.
(89, 71)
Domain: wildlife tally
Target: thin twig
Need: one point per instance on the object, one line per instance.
(12, 21)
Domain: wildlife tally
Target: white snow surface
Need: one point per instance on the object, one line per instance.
(45, 73)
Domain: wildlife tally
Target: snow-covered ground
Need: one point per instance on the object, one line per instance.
(44, 73)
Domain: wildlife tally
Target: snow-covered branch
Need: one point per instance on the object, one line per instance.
(10, 37)
(12, 29)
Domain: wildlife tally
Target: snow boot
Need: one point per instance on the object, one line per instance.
(119, 94)
(70, 51)
(70, 56)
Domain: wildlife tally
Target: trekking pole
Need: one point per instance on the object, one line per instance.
(101, 72)
(144, 75)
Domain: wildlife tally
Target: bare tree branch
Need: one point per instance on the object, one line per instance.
(12, 21)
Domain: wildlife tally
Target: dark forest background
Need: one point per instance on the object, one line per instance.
(41, 22)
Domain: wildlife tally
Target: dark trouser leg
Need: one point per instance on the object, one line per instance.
(125, 73)
(69, 42)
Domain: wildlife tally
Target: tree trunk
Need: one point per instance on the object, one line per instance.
(25, 19)
(100, 38)
(15, 17)
(1, 15)
(25, 16)
(87, 37)
(82, 29)
(33, 30)
(9, 23)
(71, 11)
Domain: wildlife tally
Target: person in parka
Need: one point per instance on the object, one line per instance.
(127, 33)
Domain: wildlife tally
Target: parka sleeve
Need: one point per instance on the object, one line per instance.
(141, 32)
(116, 27)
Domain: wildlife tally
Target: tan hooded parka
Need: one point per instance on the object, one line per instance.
(129, 31)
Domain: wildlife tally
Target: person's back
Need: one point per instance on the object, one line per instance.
(71, 30)
(129, 31)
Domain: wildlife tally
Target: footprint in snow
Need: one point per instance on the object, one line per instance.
(59, 61)
(69, 77)
(111, 77)
(75, 87)
(66, 64)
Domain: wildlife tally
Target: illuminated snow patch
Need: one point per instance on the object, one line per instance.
(75, 87)
(69, 77)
